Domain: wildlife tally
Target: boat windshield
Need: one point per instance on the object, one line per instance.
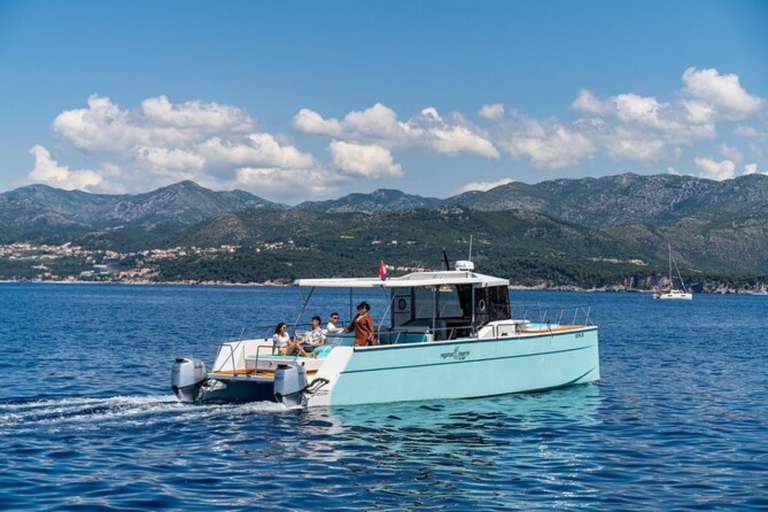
(448, 310)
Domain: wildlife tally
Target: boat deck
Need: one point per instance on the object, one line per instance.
(248, 373)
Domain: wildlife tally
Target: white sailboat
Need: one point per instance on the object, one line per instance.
(673, 293)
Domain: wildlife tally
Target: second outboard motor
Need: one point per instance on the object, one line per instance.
(290, 383)
(187, 377)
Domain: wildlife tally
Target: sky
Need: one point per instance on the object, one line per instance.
(297, 101)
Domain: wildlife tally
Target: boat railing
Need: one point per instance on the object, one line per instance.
(580, 314)
(233, 344)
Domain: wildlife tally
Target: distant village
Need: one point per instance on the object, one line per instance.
(102, 265)
(73, 263)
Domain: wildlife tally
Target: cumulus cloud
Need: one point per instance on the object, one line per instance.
(379, 125)
(749, 132)
(548, 144)
(491, 112)
(723, 93)
(715, 170)
(286, 184)
(104, 126)
(176, 159)
(364, 160)
(161, 142)
(260, 149)
(730, 153)
(196, 114)
(49, 171)
(588, 103)
(750, 169)
(484, 186)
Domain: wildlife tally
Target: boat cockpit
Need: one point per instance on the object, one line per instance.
(430, 306)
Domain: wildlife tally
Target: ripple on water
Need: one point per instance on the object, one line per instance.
(679, 420)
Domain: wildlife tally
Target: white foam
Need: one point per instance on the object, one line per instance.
(120, 411)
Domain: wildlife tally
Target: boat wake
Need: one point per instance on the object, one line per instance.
(119, 411)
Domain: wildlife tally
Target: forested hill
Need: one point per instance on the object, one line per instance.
(562, 231)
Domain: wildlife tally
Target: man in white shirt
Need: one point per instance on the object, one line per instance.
(331, 327)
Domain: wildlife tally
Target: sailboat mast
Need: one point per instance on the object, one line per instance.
(669, 249)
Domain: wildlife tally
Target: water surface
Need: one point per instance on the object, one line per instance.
(87, 419)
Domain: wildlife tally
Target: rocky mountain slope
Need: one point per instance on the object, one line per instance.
(660, 199)
(605, 223)
(381, 200)
(37, 207)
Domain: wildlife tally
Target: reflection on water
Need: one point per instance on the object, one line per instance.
(86, 418)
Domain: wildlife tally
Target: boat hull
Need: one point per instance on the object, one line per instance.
(469, 368)
(464, 369)
(673, 296)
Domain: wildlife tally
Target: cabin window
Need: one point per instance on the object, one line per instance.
(492, 304)
(449, 303)
(413, 304)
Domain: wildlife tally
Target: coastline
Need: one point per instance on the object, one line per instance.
(715, 289)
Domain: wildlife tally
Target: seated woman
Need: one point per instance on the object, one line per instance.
(285, 345)
(315, 337)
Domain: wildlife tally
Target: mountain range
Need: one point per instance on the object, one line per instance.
(714, 226)
(613, 200)
(36, 207)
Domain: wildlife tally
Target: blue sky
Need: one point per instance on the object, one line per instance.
(300, 100)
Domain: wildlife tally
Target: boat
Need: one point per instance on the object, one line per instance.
(673, 293)
(448, 334)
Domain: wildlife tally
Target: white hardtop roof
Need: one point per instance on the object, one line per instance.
(414, 280)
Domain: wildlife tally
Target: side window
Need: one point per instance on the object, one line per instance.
(499, 303)
(449, 303)
(402, 308)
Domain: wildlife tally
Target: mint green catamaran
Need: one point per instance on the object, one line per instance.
(449, 334)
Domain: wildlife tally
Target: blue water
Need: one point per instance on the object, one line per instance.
(680, 419)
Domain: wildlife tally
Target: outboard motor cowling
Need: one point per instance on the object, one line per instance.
(290, 383)
(187, 377)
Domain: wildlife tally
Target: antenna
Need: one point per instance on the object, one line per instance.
(445, 260)
(469, 258)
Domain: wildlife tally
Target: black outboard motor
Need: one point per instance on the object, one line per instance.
(290, 383)
(187, 378)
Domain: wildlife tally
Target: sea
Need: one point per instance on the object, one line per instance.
(88, 420)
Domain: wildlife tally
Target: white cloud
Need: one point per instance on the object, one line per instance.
(262, 149)
(634, 149)
(750, 169)
(196, 114)
(673, 171)
(588, 103)
(730, 153)
(48, 171)
(177, 159)
(548, 145)
(715, 170)
(484, 186)
(492, 112)
(699, 112)
(749, 132)
(426, 131)
(286, 184)
(723, 92)
(104, 126)
(161, 142)
(756, 151)
(364, 160)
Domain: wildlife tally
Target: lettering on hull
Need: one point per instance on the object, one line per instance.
(457, 354)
